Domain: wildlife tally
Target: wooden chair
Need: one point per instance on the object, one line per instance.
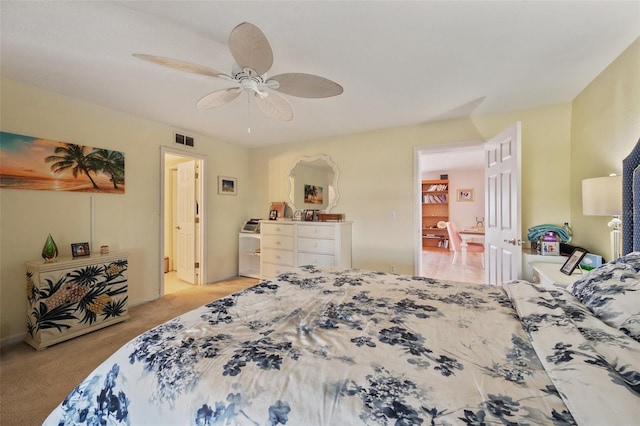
(455, 241)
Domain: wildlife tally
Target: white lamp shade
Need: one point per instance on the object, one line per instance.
(602, 196)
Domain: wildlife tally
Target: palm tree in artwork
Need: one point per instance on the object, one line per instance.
(72, 157)
(109, 162)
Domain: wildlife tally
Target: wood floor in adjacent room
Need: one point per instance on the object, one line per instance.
(438, 265)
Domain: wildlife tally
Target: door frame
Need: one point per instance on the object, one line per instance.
(417, 189)
(201, 190)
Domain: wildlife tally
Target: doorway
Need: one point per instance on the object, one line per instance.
(463, 165)
(183, 220)
(501, 161)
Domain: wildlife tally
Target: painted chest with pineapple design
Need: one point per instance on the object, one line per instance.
(74, 296)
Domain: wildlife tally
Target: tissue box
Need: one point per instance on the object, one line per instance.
(550, 248)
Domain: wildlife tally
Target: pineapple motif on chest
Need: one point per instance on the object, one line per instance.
(68, 293)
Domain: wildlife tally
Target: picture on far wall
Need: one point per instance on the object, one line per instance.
(466, 195)
(227, 185)
(312, 194)
(41, 164)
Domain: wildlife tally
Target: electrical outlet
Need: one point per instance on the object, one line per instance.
(392, 269)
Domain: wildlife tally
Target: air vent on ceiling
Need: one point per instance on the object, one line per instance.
(184, 140)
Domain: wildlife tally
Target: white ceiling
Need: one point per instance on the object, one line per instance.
(400, 62)
(445, 159)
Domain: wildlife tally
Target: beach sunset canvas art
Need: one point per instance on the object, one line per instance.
(28, 162)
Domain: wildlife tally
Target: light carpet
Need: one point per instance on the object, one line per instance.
(33, 383)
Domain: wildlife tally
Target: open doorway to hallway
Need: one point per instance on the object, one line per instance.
(183, 220)
(461, 167)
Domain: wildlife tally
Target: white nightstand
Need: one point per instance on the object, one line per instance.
(549, 275)
(531, 256)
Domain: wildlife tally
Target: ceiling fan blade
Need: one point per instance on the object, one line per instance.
(306, 85)
(250, 48)
(181, 65)
(219, 97)
(275, 106)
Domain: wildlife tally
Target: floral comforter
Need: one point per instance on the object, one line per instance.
(347, 347)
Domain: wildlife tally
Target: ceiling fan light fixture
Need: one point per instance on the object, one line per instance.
(253, 59)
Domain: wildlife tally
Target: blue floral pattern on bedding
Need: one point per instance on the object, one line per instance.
(333, 346)
(612, 293)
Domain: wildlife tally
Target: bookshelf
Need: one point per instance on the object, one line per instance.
(435, 210)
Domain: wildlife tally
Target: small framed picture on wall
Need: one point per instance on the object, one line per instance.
(227, 185)
(467, 194)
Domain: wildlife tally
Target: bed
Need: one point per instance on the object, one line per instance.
(330, 346)
(325, 346)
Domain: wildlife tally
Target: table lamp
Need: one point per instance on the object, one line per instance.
(602, 196)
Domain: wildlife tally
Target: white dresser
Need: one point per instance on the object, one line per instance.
(285, 245)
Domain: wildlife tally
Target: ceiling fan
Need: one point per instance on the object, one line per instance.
(253, 56)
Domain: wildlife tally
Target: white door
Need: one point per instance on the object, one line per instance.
(186, 221)
(503, 244)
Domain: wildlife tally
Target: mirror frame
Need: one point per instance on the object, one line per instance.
(309, 159)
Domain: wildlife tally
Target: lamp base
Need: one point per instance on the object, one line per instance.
(616, 240)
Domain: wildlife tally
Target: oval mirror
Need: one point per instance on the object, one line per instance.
(313, 184)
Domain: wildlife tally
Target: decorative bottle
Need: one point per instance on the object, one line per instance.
(569, 232)
(49, 250)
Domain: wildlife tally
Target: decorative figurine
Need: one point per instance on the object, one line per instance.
(50, 250)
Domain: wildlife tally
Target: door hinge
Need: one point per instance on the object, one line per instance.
(196, 265)
(197, 220)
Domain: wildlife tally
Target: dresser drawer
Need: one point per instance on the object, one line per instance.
(315, 259)
(268, 270)
(278, 257)
(276, 229)
(316, 231)
(310, 245)
(277, 242)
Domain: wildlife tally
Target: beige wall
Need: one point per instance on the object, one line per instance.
(464, 213)
(605, 126)
(129, 222)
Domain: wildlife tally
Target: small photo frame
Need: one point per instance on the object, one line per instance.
(279, 207)
(573, 261)
(273, 214)
(467, 194)
(227, 185)
(310, 215)
(80, 249)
